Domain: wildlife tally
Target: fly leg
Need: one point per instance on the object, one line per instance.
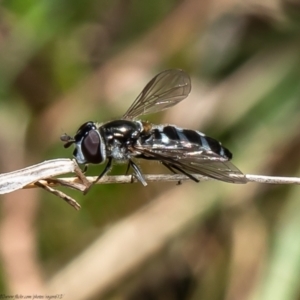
(128, 167)
(127, 170)
(171, 167)
(137, 172)
(106, 169)
(173, 171)
(85, 169)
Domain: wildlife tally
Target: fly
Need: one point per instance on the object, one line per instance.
(180, 150)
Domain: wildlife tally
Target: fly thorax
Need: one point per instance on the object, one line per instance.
(118, 136)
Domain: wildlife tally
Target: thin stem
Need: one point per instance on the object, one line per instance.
(59, 194)
(44, 174)
(166, 178)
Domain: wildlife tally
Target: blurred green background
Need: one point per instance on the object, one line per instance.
(65, 62)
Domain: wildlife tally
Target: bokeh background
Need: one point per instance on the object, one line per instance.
(66, 62)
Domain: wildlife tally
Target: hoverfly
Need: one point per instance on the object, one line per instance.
(180, 150)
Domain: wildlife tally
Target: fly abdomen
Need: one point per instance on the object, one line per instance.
(172, 137)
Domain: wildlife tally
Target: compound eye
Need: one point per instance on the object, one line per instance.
(90, 147)
(84, 130)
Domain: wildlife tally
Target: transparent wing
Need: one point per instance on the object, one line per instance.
(206, 163)
(165, 90)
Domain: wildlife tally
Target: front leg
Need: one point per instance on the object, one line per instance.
(106, 170)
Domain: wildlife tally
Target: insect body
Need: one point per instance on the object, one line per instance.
(180, 150)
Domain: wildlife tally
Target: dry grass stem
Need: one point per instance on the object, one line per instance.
(74, 181)
(42, 175)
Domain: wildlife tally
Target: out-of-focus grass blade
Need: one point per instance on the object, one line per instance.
(281, 278)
